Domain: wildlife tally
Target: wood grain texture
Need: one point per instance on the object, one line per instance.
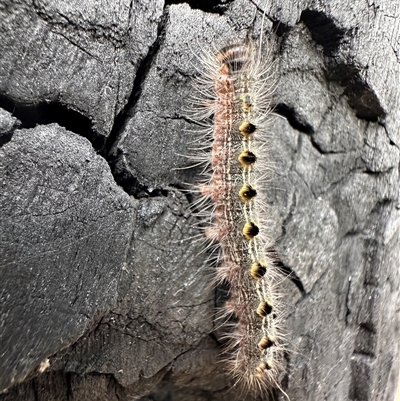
(65, 226)
(119, 73)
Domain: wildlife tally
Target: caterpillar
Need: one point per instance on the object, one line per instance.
(233, 102)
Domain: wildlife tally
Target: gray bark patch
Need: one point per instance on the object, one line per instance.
(65, 225)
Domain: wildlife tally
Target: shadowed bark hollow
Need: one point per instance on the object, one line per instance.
(104, 295)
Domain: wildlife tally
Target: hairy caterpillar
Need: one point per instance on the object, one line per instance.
(234, 91)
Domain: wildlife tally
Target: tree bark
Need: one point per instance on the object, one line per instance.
(104, 291)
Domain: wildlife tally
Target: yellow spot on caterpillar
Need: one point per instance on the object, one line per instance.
(246, 128)
(247, 158)
(246, 105)
(266, 342)
(261, 368)
(264, 308)
(250, 230)
(247, 193)
(257, 270)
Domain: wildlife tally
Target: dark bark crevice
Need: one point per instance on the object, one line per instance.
(361, 98)
(293, 118)
(209, 6)
(332, 37)
(45, 113)
(324, 30)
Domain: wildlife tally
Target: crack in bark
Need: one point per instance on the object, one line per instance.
(110, 150)
(68, 379)
(327, 33)
(293, 118)
(75, 44)
(107, 33)
(44, 113)
(208, 6)
(35, 390)
(324, 30)
(347, 302)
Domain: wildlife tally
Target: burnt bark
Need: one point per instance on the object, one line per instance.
(104, 291)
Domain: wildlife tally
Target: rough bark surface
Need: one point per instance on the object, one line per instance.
(103, 292)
